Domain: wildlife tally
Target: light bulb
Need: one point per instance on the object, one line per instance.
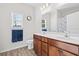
(43, 6)
(47, 4)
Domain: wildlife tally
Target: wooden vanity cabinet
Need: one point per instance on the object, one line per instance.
(64, 48)
(44, 46)
(44, 49)
(44, 53)
(53, 51)
(37, 45)
(65, 53)
(44, 39)
(39, 48)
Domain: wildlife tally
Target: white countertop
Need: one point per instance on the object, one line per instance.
(60, 37)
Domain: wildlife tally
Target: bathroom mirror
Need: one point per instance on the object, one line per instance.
(68, 18)
(63, 19)
(46, 21)
(73, 22)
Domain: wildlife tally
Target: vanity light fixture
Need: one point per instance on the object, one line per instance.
(29, 18)
(47, 4)
(44, 6)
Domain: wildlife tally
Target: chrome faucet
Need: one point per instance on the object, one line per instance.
(66, 34)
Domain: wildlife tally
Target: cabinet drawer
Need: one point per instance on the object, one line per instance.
(67, 54)
(65, 46)
(39, 42)
(37, 37)
(44, 47)
(51, 41)
(68, 47)
(44, 39)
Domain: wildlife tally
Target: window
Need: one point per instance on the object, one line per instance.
(17, 19)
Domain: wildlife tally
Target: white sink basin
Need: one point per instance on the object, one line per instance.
(75, 38)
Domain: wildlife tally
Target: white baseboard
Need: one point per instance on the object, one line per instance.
(12, 48)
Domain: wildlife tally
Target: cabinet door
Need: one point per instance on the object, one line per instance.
(38, 47)
(35, 45)
(44, 49)
(44, 53)
(53, 51)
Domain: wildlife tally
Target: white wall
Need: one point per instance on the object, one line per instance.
(37, 21)
(73, 22)
(53, 21)
(5, 25)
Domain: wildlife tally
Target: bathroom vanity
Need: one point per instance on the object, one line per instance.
(53, 45)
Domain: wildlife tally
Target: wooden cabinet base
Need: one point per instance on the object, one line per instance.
(67, 54)
(44, 46)
(53, 51)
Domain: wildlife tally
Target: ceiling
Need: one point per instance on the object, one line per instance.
(69, 8)
(38, 4)
(64, 8)
(34, 4)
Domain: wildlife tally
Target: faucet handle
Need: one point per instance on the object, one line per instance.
(66, 34)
